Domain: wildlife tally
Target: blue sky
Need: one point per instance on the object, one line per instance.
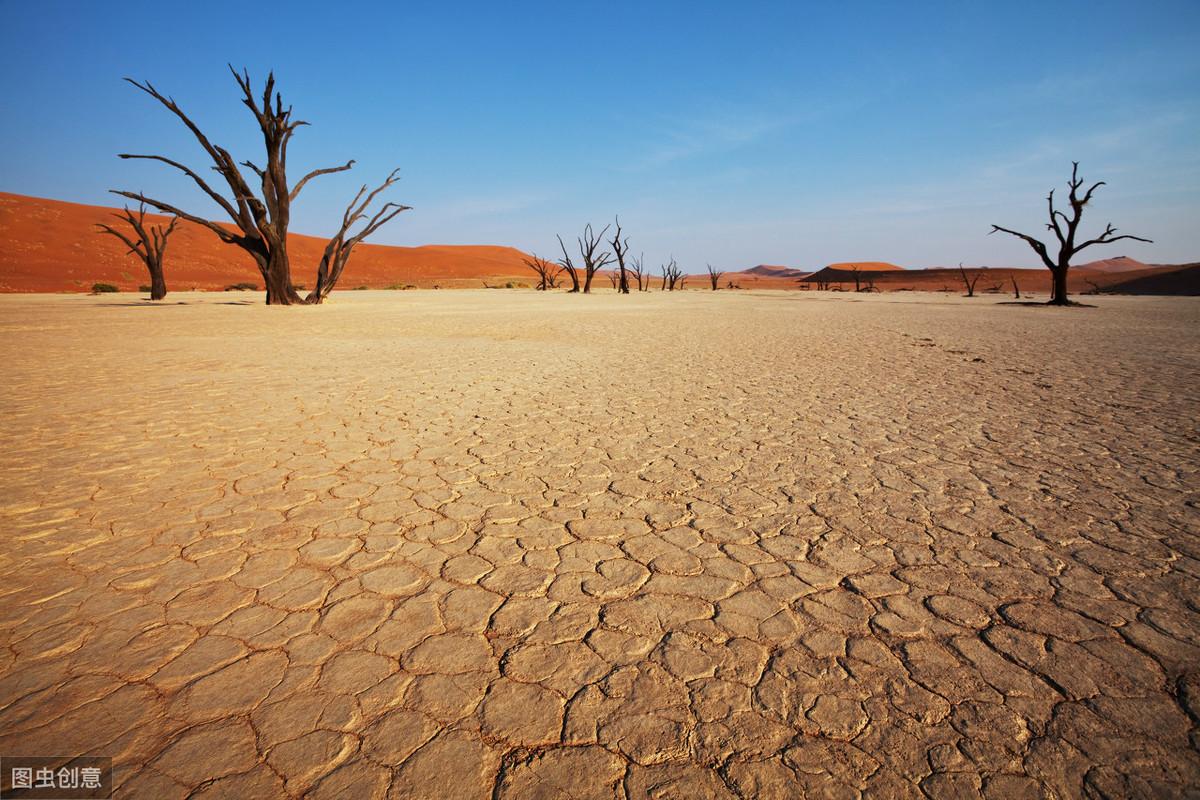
(737, 134)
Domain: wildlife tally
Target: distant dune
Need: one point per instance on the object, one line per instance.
(864, 266)
(773, 271)
(53, 246)
(1115, 264)
(1183, 280)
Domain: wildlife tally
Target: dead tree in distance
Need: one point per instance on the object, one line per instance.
(1067, 248)
(149, 242)
(592, 261)
(261, 220)
(969, 282)
(547, 272)
(1016, 289)
(672, 276)
(714, 276)
(620, 248)
(856, 272)
(639, 273)
(568, 266)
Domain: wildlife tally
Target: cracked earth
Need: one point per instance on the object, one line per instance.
(499, 544)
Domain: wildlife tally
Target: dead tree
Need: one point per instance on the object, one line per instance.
(592, 261)
(149, 242)
(568, 266)
(672, 276)
(967, 281)
(856, 272)
(639, 273)
(261, 220)
(620, 249)
(1067, 247)
(337, 251)
(547, 272)
(714, 276)
(614, 280)
(1016, 289)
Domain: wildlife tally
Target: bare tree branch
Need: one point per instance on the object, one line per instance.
(342, 243)
(315, 173)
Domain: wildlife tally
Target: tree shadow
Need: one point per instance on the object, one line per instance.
(1044, 304)
(169, 304)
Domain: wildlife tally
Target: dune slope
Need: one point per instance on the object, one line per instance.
(53, 246)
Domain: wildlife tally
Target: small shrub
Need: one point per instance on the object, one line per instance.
(145, 288)
(361, 288)
(103, 288)
(298, 287)
(242, 287)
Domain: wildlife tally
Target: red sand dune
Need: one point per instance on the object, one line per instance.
(53, 246)
(864, 266)
(1115, 264)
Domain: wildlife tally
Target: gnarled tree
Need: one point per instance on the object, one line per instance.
(568, 266)
(714, 276)
(337, 251)
(593, 262)
(639, 272)
(1066, 229)
(672, 276)
(546, 270)
(260, 220)
(620, 249)
(969, 282)
(856, 273)
(148, 241)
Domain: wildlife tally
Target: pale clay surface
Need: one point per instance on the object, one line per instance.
(501, 544)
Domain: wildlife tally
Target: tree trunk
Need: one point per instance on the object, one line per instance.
(158, 284)
(278, 277)
(1058, 296)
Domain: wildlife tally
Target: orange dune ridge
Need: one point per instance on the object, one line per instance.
(54, 246)
(865, 266)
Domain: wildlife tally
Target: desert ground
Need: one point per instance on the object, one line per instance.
(508, 544)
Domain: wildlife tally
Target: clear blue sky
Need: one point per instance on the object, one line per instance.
(786, 133)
